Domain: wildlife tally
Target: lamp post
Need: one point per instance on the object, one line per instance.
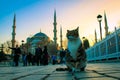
(22, 42)
(99, 18)
(2, 48)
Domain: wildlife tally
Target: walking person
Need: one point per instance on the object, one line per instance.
(85, 43)
(16, 55)
(45, 56)
(54, 59)
(38, 53)
(29, 58)
(62, 55)
(24, 56)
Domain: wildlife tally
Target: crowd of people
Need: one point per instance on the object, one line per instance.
(41, 57)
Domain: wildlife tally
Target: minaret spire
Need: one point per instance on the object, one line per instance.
(95, 37)
(106, 25)
(40, 30)
(14, 20)
(55, 16)
(14, 32)
(61, 37)
(55, 30)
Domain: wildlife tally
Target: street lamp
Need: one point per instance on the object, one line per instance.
(99, 18)
(1, 47)
(22, 42)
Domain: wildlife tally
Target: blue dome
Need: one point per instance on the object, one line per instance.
(38, 37)
(40, 34)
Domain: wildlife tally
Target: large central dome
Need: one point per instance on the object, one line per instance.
(39, 37)
(40, 34)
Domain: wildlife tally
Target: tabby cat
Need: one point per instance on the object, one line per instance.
(76, 55)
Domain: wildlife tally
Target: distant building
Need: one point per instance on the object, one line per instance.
(38, 39)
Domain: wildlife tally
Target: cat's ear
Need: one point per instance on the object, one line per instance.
(78, 28)
(67, 30)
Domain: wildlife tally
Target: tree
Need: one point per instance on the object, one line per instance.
(2, 54)
(52, 48)
(65, 43)
(8, 44)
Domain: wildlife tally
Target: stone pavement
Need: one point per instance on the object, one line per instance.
(94, 71)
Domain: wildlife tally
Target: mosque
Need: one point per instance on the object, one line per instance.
(39, 38)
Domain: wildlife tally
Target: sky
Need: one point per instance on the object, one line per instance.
(35, 15)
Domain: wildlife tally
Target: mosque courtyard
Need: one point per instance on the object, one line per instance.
(94, 71)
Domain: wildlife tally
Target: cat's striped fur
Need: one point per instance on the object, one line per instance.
(76, 55)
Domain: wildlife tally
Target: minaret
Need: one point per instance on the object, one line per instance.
(55, 30)
(40, 30)
(61, 38)
(95, 37)
(106, 25)
(13, 32)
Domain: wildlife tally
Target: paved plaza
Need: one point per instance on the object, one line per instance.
(94, 71)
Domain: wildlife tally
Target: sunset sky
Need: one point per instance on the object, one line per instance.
(33, 15)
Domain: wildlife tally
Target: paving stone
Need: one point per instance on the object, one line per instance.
(59, 78)
(87, 74)
(60, 75)
(115, 75)
(61, 72)
(108, 72)
(98, 78)
(44, 72)
(32, 77)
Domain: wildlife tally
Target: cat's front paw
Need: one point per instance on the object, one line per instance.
(73, 70)
(82, 69)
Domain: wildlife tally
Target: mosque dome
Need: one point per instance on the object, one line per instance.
(39, 37)
(40, 34)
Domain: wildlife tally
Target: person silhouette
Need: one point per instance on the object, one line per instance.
(16, 54)
(38, 53)
(85, 43)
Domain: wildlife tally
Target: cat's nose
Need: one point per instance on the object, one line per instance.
(70, 37)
